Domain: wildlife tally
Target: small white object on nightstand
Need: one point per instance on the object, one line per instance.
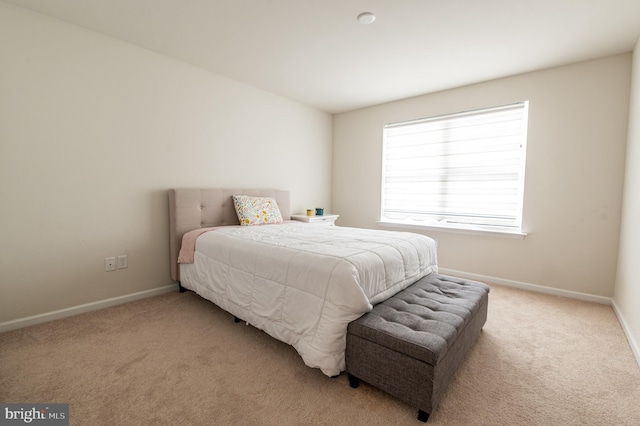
(324, 220)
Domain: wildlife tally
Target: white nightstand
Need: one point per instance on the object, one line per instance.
(324, 220)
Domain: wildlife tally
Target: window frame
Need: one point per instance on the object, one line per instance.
(513, 231)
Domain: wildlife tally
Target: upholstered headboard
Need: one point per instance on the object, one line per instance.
(193, 208)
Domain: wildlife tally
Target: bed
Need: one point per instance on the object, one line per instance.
(301, 284)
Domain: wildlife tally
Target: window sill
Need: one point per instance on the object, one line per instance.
(469, 230)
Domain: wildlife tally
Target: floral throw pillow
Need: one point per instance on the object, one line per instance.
(256, 210)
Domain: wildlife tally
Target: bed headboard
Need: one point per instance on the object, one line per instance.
(193, 208)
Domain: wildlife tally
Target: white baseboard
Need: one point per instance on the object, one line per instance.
(88, 307)
(635, 346)
(527, 286)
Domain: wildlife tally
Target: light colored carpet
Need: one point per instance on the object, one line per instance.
(177, 359)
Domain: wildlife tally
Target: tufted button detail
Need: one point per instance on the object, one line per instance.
(423, 319)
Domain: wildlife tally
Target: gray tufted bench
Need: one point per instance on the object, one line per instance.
(412, 344)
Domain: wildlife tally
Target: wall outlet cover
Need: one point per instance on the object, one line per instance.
(109, 264)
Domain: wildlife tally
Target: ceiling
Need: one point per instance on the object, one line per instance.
(316, 52)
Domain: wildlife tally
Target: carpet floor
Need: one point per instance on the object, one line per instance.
(177, 359)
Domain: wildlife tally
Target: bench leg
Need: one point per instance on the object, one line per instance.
(354, 382)
(423, 416)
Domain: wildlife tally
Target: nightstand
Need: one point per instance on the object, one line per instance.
(324, 220)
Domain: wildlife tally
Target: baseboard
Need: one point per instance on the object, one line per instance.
(635, 346)
(527, 286)
(88, 307)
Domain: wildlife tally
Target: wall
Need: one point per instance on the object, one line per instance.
(93, 131)
(573, 192)
(627, 292)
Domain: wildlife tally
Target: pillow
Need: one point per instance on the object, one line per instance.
(256, 210)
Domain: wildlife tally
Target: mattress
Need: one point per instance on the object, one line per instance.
(304, 284)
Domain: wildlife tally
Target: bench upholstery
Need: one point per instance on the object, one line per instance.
(412, 344)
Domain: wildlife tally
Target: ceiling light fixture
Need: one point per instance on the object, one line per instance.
(366, 18)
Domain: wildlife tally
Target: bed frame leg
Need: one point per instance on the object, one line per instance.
(423, 416)
(180, 288)
(236, 320)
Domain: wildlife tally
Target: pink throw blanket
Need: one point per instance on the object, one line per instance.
(188, 249)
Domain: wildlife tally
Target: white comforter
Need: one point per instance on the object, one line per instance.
(303, 284)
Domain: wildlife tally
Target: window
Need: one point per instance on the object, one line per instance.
(463, 170)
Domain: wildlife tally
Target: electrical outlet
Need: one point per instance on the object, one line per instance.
(109, 264)
(123, 262)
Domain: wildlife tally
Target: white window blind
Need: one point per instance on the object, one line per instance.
(459, 170)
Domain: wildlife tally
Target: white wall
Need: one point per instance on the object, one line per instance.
(93, 131)
(627, 291)
(575, 163)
